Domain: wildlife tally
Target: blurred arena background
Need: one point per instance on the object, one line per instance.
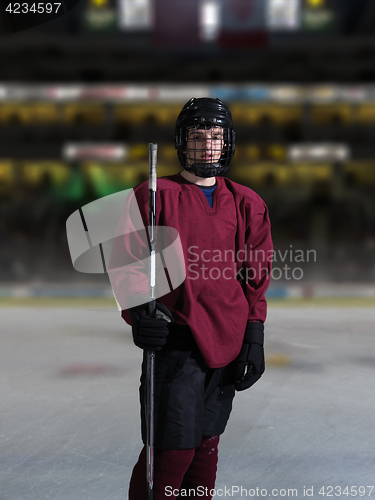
(82, 95)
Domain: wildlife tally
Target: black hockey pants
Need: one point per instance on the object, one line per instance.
(191, 400)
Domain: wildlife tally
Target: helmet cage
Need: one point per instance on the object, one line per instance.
(205, 138)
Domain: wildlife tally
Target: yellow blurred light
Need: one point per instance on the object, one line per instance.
(34, 172)
(315, 3)
(277, 152)
(6, 173)
(252, 152)
(84, 113)
(99, 3)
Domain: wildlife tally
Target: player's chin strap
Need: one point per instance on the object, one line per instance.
(205, 169)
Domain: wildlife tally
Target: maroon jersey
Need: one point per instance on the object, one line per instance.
(228, 253)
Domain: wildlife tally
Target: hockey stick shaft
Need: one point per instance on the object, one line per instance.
(151, 354)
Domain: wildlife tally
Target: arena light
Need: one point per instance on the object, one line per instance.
(356, 93)
(323, 93)
(314, 153)
(94, 151)
(210, 20)
(62, 92)
(135, 14)
(283, 15)
(318, 15)
(129, 92)
(3, 92)
(287, 93)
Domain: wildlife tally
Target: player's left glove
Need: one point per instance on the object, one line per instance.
(249, 364)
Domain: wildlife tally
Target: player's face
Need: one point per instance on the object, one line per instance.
(204, 145)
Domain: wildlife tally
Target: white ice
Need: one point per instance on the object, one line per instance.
(69, 413)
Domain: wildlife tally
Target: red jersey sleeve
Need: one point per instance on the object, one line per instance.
(257, 266)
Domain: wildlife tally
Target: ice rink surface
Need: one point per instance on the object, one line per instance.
(69, 425)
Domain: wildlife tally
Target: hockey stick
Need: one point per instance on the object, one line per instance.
(151, 354)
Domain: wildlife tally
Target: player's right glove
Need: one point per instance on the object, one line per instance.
(150, 333)
(249, 364)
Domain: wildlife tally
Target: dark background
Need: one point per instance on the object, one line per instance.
(80, 79)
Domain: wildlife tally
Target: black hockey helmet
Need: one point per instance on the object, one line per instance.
(201, 121)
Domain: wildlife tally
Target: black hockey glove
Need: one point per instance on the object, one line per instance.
(249, 364)
(150, 333)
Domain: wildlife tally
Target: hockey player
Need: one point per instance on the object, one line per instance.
(214, 342)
